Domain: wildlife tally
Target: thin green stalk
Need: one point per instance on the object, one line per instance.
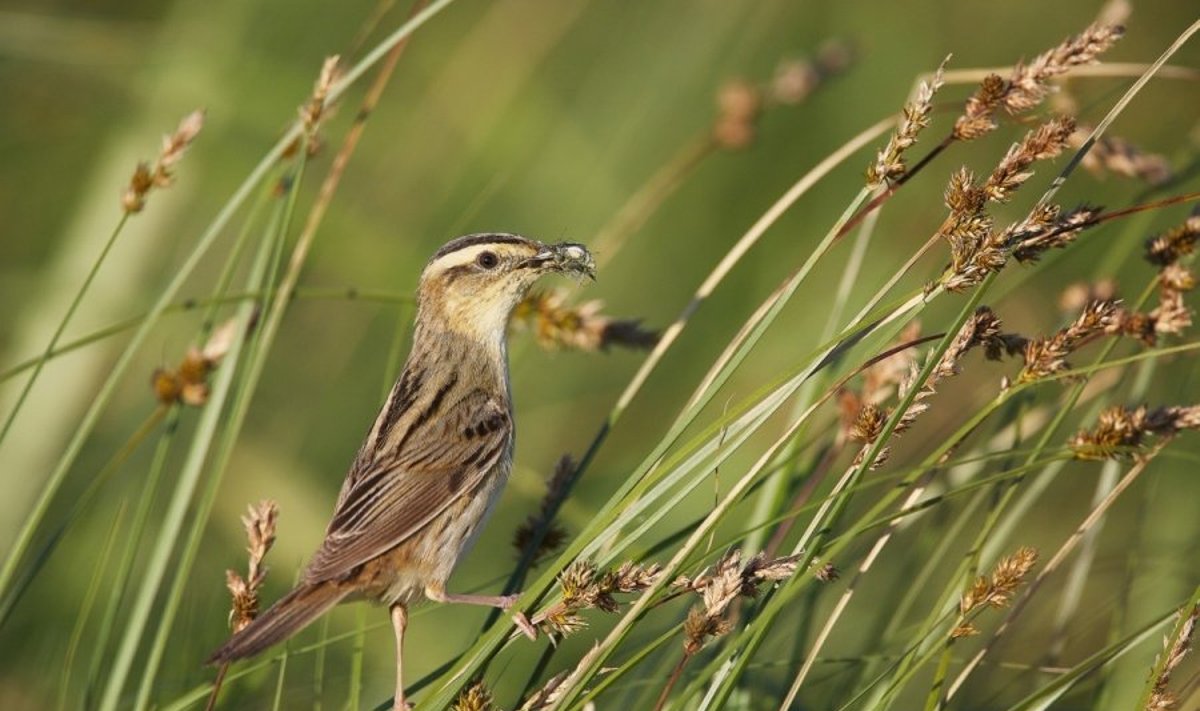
(1182, 622)
(953, 534)
(47, 549)
(354, 702)
(133, 543)
(150, 488)
(772, 497)
(842, 500)
(277, 700)
(1052, 565)
(1077, 577)
(672, 332)
(189, 476)
(85, 609)
(83, 431)
(348, 294)
(62, 326)
(268, 254)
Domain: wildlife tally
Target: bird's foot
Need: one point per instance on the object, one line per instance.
(525, 626)
(519, 619)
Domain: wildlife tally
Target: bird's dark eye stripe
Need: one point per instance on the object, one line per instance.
(472, 240)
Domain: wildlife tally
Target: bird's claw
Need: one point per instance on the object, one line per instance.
(525, 626)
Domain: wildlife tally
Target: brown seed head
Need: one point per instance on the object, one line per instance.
(1028, 84)
(739, 106)
(475, 697)
(260, 522)
(1176, 242)
(161, 174)
(889, 162)
(315, 109)
(1115, 155)
(583, 327)
(1046, 141)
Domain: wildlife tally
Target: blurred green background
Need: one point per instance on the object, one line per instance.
(539, 117)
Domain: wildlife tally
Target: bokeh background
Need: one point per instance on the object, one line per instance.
(517, 115)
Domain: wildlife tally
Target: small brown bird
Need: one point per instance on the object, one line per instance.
(438, 455)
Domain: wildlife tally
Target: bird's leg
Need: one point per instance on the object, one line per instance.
(437, 594)
(399, 622)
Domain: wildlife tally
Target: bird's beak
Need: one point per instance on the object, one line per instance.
(569, 258)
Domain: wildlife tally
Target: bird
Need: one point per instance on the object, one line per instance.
(433, 464)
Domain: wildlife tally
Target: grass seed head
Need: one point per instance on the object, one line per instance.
(161, 174)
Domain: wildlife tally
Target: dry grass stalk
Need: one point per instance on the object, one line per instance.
(1162, 698)
(1120, 431)
(1029, 84)
(889, 162)
(585, 587)
(1113, 154)
(546, 696)
(582, 327)
(555, 535)
(720, 586)
(188, 382)
(161, 174)
(260, 523)
(476, 697)
(993, 590)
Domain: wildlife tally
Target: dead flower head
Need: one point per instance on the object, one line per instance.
(582, 327)
(1120, 431)
(160, 175)
(995, 590)
(260, 524)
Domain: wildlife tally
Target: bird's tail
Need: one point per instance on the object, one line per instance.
(291, 614)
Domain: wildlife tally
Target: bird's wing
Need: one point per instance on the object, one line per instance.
(395, 493)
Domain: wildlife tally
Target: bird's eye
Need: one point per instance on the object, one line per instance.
(487, 260)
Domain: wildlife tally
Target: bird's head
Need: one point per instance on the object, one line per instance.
(472, 284)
